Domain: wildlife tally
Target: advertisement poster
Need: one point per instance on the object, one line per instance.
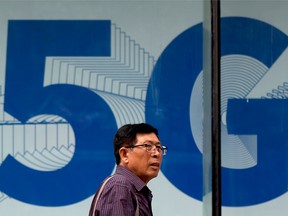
(73, 72)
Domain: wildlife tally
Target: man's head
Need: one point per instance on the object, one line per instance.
(137, 147)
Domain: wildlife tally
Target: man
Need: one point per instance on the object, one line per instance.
(138, 153)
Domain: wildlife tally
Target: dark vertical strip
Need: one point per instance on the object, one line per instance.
(216, 108)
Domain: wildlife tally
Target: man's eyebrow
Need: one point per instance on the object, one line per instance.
(151, 142)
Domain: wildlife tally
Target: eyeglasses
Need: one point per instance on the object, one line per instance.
(150, 148)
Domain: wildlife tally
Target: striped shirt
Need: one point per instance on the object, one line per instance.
(118, 197)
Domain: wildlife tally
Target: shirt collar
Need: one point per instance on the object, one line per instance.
(135, 180)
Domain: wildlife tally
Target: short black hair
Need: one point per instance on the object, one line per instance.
(126, 136)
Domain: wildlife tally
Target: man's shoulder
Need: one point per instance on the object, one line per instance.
(120, 180)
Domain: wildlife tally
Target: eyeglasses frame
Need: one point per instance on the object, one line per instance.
(160, 149)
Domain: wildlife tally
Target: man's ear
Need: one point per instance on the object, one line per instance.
(124, 155)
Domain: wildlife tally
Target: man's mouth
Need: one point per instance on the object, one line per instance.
(155, 164)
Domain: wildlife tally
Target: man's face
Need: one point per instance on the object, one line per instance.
(142, 163)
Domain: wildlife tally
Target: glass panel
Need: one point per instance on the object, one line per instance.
(254, 107)
(71, 73)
